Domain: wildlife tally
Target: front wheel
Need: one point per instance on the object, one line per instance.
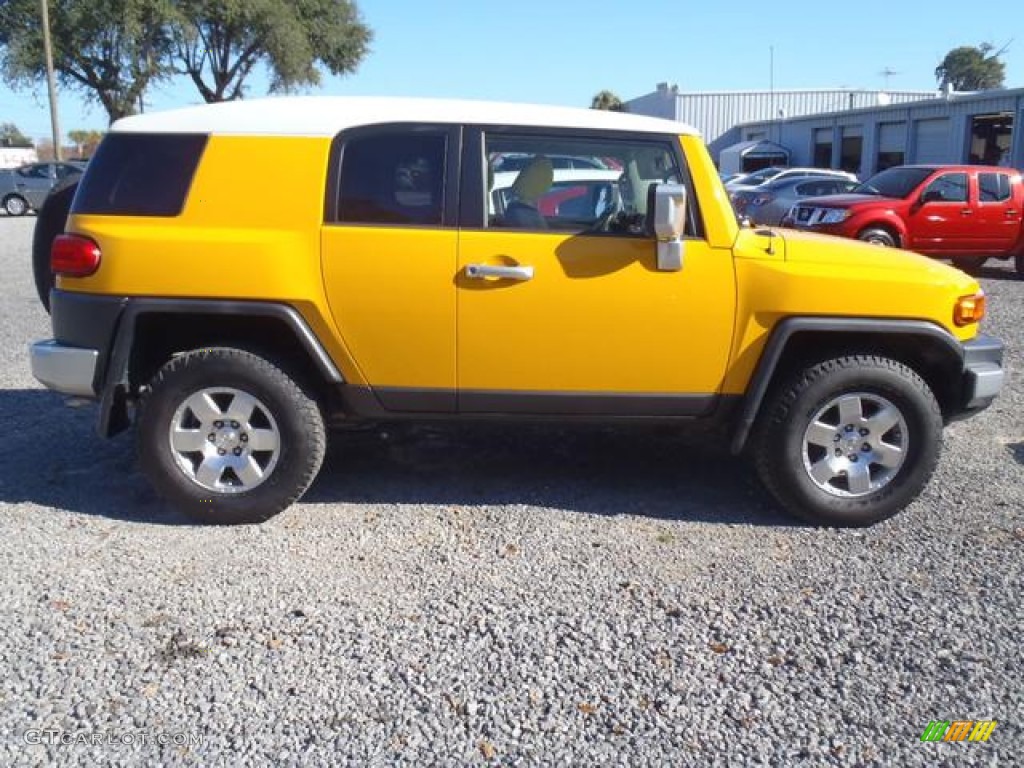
(849, 441)
(878, 236)
(228, 437)
(1018, 263)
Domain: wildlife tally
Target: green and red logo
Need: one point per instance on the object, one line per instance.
(959, 730)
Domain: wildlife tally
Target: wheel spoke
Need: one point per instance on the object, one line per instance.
(204, 408)
(850, 411)
(822, 471)
(249, 472)
(263, 440)
(888, 455)
(188, 440)
(886, 418)
(858, 478)
(241, 408)
(210, 471)
(821, 434)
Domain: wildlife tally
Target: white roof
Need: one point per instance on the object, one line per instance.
(328, 115)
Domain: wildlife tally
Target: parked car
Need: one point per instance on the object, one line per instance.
(574, 194)
(968, 213)
(25, 188)
(768, 203)
(379, 289)
(776, 173)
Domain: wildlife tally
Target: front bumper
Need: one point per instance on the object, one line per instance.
(983, 373)
(71, 370)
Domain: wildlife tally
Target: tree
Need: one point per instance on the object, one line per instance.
(111, 50)
(85, 141)
(608, 101)
(11, 136)
(217, 43)
(970, 68)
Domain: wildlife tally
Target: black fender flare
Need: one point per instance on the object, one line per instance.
(113, 416)
(784, 332)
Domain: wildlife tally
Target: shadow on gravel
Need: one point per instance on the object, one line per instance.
(51, 456)
(1017, 451)
(997, 269)
(636, 470)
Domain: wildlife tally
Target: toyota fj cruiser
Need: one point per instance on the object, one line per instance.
(236, 278)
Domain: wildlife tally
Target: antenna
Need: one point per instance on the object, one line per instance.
(887, 73)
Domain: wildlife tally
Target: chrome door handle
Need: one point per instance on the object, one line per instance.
(966, 212)
(485, 271)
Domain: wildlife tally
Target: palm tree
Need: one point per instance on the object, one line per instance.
(608, 101)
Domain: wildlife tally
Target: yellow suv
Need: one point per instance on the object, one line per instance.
(238, 277)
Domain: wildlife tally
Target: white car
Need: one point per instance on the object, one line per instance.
(577, 194)
(757, 178)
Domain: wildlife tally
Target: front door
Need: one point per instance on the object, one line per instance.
(942, 220)
(567, 312)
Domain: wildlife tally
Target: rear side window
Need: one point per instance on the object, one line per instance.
(140, 174)
(993, 187)
(394, 178)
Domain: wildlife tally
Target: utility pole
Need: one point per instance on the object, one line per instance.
(51, 84)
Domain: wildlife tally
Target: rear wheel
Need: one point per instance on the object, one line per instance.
(878, 236)
(15, 205)
(228, 437)
(849, 441)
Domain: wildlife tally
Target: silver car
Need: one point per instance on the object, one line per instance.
(24, 189)
(768, 203)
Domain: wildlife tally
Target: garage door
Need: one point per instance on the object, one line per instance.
(932, 141)
(891, 137)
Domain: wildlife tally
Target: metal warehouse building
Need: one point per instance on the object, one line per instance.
(984, 127)
(717, 115)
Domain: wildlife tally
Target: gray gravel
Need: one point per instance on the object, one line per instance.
(513, 596)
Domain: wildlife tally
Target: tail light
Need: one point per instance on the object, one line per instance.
(74, 256)
(763, 199)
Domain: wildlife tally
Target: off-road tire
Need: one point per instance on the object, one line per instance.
(878, 236)
(296, 417)
(1018, 263)
(52, 218)
(778, 444)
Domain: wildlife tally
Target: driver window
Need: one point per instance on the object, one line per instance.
(573, 186)
(948, 188)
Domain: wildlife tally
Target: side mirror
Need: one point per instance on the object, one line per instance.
(932, 196)
(669, 224)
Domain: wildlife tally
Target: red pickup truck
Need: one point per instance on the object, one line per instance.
(968, 213)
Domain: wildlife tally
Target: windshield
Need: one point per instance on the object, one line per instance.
(894, 182)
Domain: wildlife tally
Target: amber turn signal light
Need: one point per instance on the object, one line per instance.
(969, 309)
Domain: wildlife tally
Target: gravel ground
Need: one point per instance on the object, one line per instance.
(520, 596)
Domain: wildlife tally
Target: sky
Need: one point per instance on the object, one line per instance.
(565, 51)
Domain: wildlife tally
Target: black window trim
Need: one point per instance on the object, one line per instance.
(472, 204)
(452, 160)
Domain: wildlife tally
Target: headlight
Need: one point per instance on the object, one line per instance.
(834, 216)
